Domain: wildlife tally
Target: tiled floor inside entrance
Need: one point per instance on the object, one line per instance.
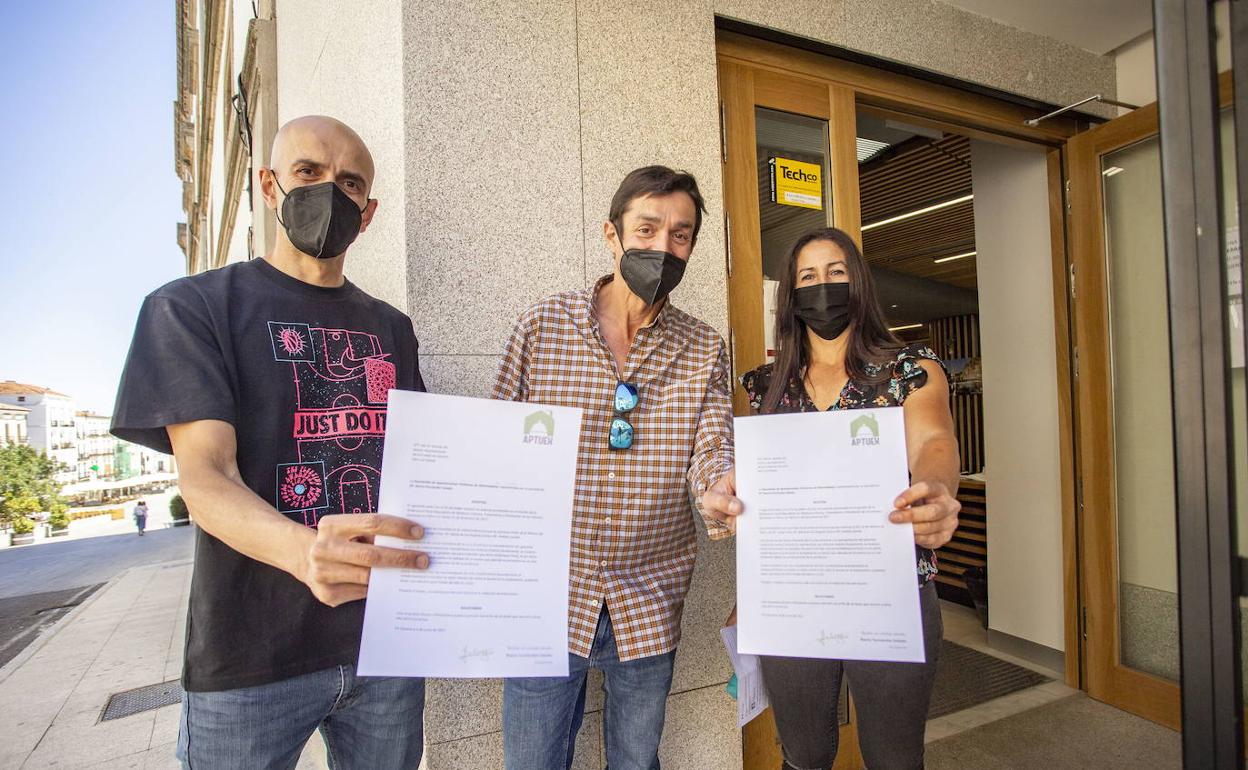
(962, 627)
(1049, 725)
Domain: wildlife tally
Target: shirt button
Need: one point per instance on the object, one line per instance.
(608, 519)
(602, 563)
(611, 475)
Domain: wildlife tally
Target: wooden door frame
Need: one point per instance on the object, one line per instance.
(1156, 698)
(1151, 697)
(742, 89)
(758, 73)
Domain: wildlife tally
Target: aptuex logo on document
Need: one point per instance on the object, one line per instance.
(864, 431)
(539, 428)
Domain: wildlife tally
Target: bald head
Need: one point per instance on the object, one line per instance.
(324, 146)
(314, 150)
(317, 150)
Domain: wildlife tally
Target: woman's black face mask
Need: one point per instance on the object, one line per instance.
(823, 307)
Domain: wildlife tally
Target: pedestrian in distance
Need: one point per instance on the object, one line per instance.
(140, 516)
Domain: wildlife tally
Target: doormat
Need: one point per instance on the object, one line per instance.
(966, 677)
(130, 702)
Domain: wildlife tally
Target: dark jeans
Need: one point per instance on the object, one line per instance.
(541, 715)
(891, 701)
(368, 723)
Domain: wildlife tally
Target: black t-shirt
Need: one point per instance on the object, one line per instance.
(302, 374)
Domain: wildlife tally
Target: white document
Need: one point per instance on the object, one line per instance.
(821, 571)
(751, 697)
(491, 482)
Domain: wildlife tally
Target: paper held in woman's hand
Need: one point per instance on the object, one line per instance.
(821, 571)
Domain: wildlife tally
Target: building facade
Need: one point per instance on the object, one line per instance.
(50, 424)
(226, 101)
(79, 440)
(13, 424)
(95, 446)
(135, 460)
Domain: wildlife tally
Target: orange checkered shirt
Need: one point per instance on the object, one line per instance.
(633, 536)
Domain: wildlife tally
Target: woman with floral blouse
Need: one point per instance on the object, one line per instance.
(834, 351)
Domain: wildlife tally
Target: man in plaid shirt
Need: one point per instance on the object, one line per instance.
(656, 434)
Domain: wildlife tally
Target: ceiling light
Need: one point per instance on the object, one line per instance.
(904, 328)
(955, 256)
(917, 212)
(869, 148)
(1112, 170)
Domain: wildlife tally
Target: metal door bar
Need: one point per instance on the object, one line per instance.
(1208, 565)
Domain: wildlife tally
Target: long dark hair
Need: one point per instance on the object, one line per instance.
(870, 341)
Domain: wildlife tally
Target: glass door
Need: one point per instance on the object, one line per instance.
(1127, 505)
(1130, 571)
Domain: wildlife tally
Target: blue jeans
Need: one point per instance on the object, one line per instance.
(367, 722)
(542, 715)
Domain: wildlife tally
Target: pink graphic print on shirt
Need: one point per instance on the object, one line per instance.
(341, 381)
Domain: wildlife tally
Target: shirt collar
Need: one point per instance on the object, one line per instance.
(660, 322)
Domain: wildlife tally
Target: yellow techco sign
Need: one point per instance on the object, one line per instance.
(794, 183)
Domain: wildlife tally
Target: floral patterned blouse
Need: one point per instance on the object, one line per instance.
(907, 377)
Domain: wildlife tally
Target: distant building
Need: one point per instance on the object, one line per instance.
(124, 460)
(49, 423)
(13, 424)
(96, 446)
(133, 460)
(150, 461)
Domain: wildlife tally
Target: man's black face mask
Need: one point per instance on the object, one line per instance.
(650, 274)
(320, 219)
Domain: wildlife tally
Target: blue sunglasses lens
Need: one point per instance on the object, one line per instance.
(621, 433)
(625, 397)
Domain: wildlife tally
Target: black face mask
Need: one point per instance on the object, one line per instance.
(824, 308)
(651, 274)
(320, 219)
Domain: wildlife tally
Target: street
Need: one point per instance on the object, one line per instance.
(23, 618)
(40, 583)
(61, 565)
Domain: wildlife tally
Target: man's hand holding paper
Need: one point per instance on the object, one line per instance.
(490, 483)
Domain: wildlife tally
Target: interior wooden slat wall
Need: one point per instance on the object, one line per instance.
(969, 546)
(951, 338)
(958, 337)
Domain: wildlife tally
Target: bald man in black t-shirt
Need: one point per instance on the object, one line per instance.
(268, 381)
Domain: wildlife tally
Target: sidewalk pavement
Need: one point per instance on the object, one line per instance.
(128, 634)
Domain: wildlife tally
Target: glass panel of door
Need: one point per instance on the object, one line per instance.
(794, 194)
(1143, 437)
(1236, 340)
(1142, 404)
